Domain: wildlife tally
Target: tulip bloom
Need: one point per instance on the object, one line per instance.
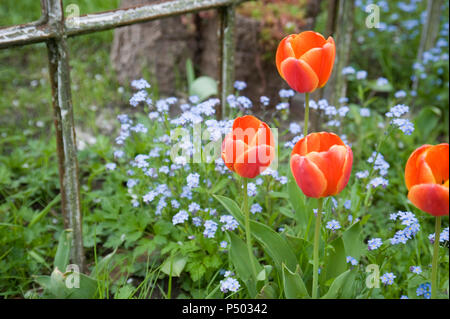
(249, 149)
(305, 60)
(321, 164)
(426, 177)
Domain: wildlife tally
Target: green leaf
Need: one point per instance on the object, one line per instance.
(337, 286)
(261, 276)
(162, 227)
(353, 243)
(335, 260)
(269, 291)
(427, 119)
(38, 258)
(174, 265)
(62, 255)
(45, 211)
(88, 287)
(203, 87)
(43, 281)
(276, 246)
(196, 271)
(57, 285)
(124, 292)
(293, 284)
(298, 202)
(231, 206)
(286, 212)
(103, 264)
(219, 186)
(278, 195)
(239, 257)
(273, 243)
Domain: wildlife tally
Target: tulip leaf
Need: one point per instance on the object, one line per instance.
(335, 259)
(231, 206)
(337, 286)
(353, 242)
(278, 195)
(268, 291)
(239, 257)
(276, 246)
(293, 284)
(298, 202)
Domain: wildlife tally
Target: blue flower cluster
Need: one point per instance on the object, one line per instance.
(388, 278)
(374, 243)
(180, 217)
(229, 284)
(409, 220)
(424, 290)
(333, 225)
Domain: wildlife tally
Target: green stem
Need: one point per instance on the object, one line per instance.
(316, 250)
(169, 290)
(247, 229)
(434, 269)
(305, 127)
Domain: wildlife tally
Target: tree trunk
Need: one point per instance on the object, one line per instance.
(337, 85)
(157, 49)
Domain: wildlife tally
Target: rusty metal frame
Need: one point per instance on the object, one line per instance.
(53, 29)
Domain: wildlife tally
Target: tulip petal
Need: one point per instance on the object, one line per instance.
(331, 163)
(346, 170)
(308, 176)
(263, 136)
(431, 198)
(305, 41)
(299, 75)
(437, 160)
(316, 142)
(321, 60)
(329, 54)
(231, 150)
(417, 170)
(314, 58)
(245, 128)
(254, 161)
(284, 51)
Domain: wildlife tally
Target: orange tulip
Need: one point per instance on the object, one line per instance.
(305, 60)
(426, 177)
(321, 164)
(249, 149)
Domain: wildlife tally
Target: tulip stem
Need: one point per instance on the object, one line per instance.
(247, 229)
(316, 250)
(305, 127)
(434, 269)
